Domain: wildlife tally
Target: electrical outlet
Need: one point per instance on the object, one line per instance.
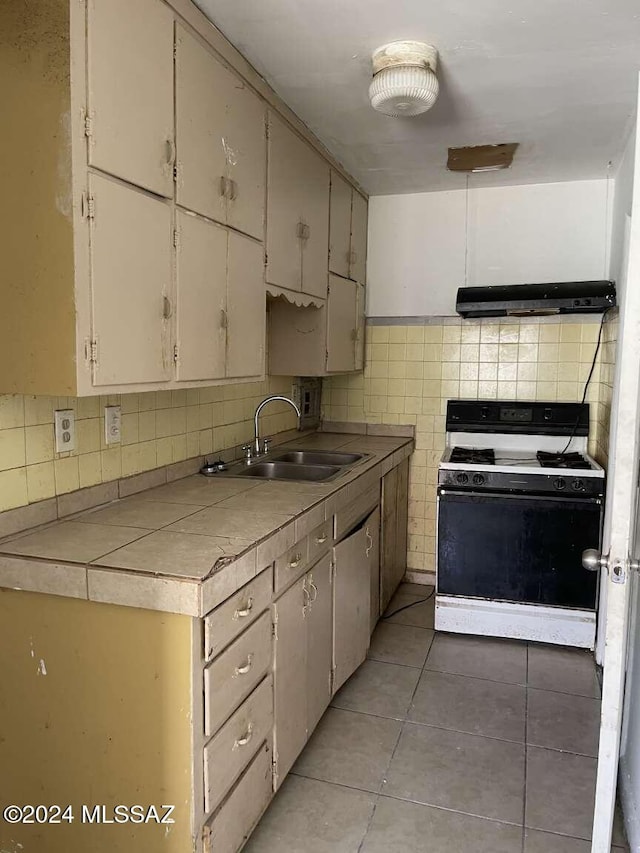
(65, 430)
(112, 421)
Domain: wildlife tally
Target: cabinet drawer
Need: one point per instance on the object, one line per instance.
(320, 540)
(292, 564)
(227, 831)
(357, 509)
(234, 674)
(226, 756)
(228, 620)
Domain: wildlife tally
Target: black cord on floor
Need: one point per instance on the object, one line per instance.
(412, 604)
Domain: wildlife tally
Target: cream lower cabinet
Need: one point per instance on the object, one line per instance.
(355, 558)
(303, 662)
(219, 302)
(221, 142)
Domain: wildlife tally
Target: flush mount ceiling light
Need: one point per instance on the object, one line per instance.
(404, 78)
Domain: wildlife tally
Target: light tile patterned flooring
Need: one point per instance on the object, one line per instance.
(447, 744)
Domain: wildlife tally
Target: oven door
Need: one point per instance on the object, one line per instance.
(517, 547)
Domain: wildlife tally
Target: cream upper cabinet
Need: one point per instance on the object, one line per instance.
(221, 140)
(342, 325)
(358, 257)
(340, 226)
(246, 308)
(129, 110)
(131, 273)
(201, 305)
(297, 212)
(220, 311)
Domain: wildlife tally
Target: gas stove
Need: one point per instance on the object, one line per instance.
(519, 499)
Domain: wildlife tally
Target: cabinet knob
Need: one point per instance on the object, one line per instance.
(244, 611)
(244, 669)
(232, 192)
(244, 740)
(222, 186)
(171, 152)
(167, 308)
(303, 231)
(224, 319)
(295, 562)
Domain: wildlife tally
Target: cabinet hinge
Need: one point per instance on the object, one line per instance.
(175, 353)
(88, 125)
(176, 239)
(266, 127)
(88, 206)
(91, 351)
(177, 173)
(274, 625)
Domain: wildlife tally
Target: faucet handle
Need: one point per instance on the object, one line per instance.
(266, 444)
(248, 452)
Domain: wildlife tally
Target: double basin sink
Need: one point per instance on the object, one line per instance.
(313, 466)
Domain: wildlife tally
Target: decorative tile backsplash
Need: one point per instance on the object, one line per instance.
(411, 371)
(158, 428)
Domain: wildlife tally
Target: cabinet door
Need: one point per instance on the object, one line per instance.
(315, 243)
(201, 263)
(290, 672)
(361, 322)
(340, 226)
(130, 91)
(393, 552)
(245, 307)
(203, 92)
(341, 325)
(131, 271)
(358, 267)
(319, 641)
(285, 205)
(372, 535)
(246, 150)
(352, 605)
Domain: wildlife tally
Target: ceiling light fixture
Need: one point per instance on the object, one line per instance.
(404, 78)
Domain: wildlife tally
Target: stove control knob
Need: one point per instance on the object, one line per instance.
(462, 478)
(560, 484)
(478, 479)
(578, 485)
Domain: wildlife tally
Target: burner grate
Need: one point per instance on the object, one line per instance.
(562, 460)
(473, 455)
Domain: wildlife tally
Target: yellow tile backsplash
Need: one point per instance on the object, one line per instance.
(158, 428)
(411, 371)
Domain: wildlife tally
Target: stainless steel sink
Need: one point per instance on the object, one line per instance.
(318, 457)
(278, 470)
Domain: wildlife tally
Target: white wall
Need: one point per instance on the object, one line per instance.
(424, 246)
(622, 196)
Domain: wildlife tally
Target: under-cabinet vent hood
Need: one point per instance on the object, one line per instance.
(569, 297)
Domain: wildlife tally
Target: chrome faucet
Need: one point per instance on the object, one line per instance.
(261, 447)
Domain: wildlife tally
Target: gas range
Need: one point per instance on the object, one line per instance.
(519, 499)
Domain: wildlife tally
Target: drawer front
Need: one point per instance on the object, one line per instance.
(291, 565)
(357, 509)
(230, 827)
(320, 540)
(234, 674)
(229, 752)
(224, 624)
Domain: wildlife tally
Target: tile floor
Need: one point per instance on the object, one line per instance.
(447, 744)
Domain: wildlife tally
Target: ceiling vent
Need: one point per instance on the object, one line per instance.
(404, 78)
(481, 158)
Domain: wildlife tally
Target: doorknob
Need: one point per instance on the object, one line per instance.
(593, 560)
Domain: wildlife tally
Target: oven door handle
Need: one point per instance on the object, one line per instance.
(443, 492)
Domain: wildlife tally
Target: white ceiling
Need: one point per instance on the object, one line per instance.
(558, 76)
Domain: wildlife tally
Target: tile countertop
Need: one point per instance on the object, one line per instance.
(186, 546)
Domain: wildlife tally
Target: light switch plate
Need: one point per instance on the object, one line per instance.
(65, 430)
(112, 422)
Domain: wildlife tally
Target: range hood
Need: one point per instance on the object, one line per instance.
(521, 300)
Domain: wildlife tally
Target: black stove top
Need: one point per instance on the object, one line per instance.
(562, 460)
(473, 455)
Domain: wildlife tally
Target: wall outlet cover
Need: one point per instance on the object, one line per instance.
(65, 430)
(112, 424)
